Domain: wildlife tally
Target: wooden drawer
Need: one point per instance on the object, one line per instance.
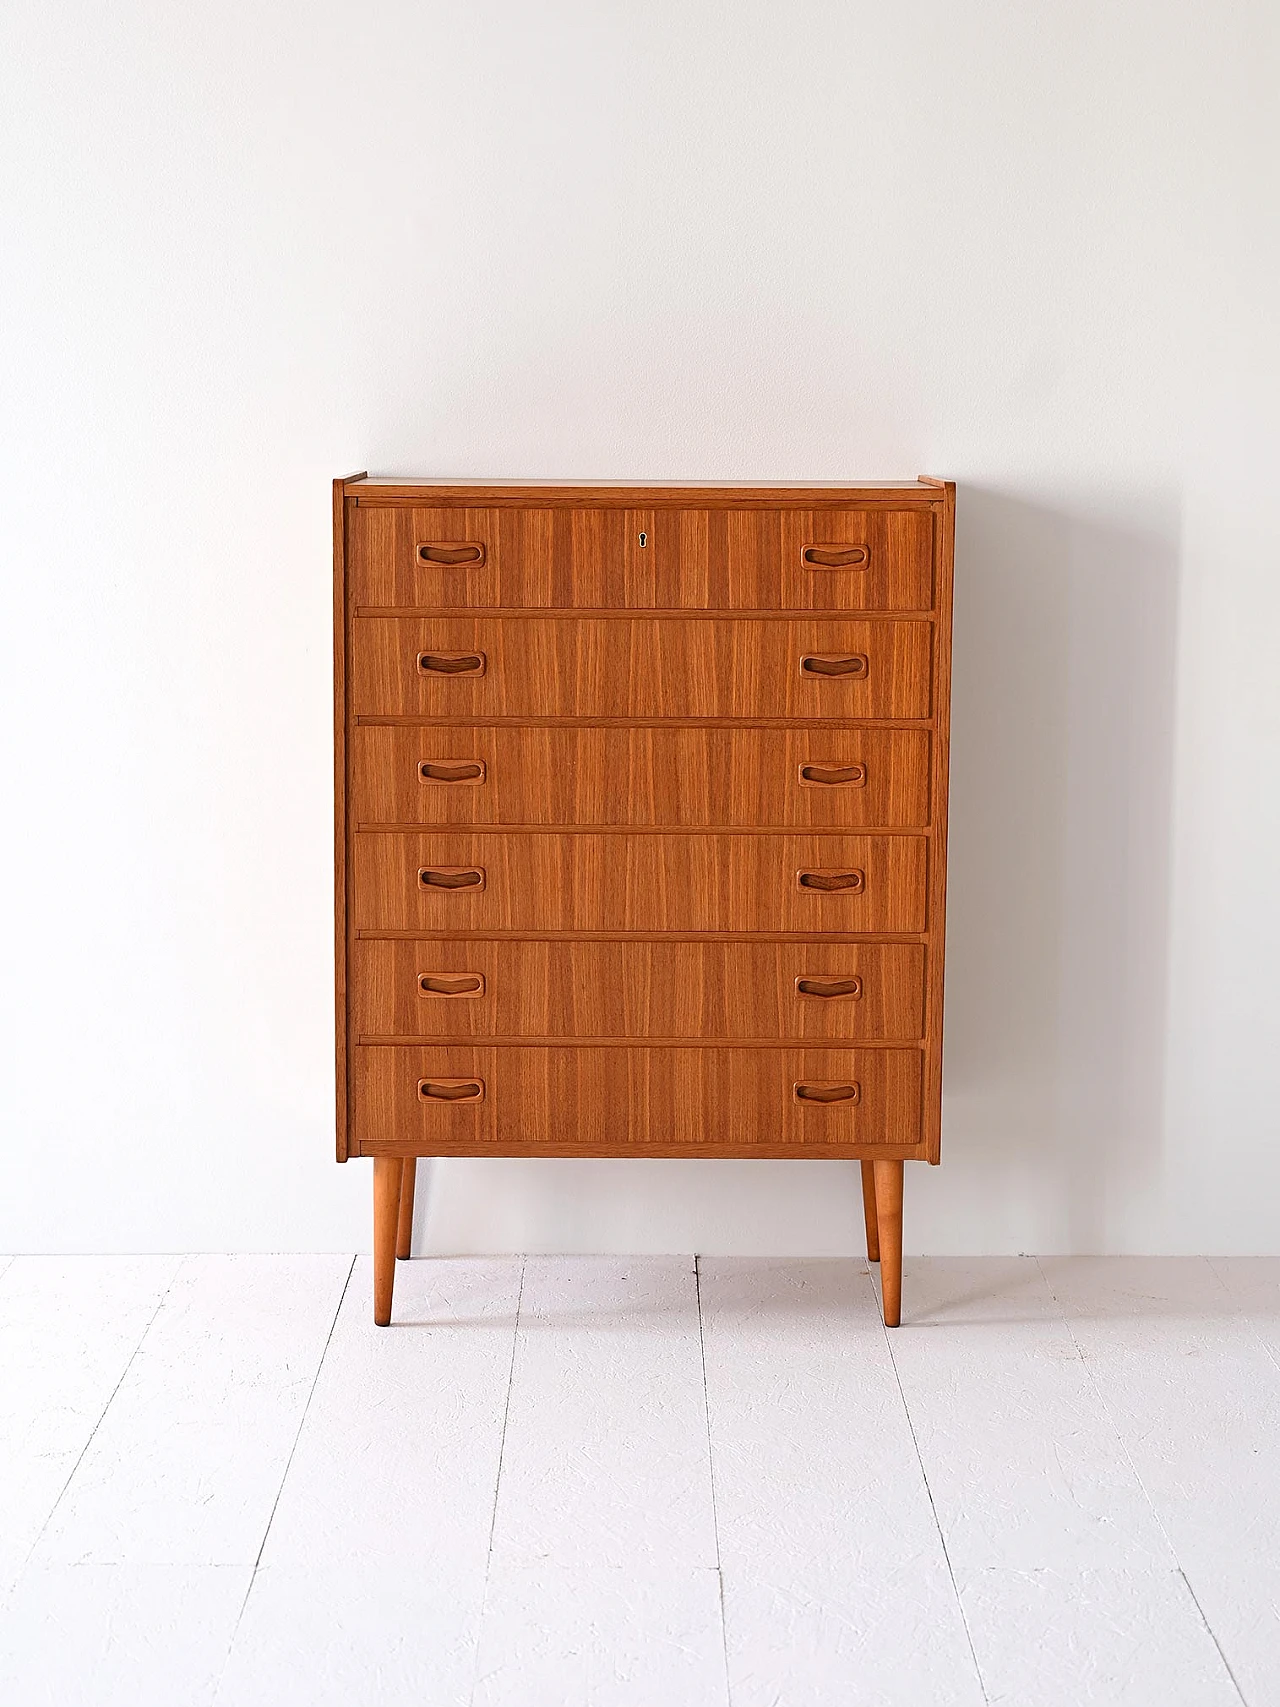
(654, 559)
(643, 667)
(582, 1101)
(438, 987)
(534, 881)
(824, 778)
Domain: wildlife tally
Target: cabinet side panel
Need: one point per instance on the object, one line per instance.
(340, 863)
(945, 542)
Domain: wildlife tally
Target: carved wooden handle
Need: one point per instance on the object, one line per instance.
(451, 663)
(834, 776)
(451, 770)
(827, 1090)
(451, 877)
(451, 983)
(833, 664)
(452, 553)
(832, 879)
(451, 1090)
(829, 987)
(835, 556)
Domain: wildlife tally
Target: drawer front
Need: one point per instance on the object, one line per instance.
(529, 881)
(840, 778)
(656, 559)
(437, 987)
(754, 668)
(469, 1099)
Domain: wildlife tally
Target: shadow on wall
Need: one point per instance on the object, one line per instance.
(1061, 799)
(1062, 759)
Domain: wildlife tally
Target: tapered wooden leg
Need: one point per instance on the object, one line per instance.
(869, 1211)
(404, 1231)
(888, 1187)
(388, 1172)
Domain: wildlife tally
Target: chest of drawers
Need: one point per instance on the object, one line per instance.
(641, 804)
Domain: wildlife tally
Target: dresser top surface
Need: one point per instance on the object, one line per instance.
(381, 489)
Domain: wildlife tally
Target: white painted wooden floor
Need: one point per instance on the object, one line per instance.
(647, 1482)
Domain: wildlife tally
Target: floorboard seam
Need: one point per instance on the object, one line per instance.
(129, 1362)
(711, 1472)
(1213, 1636)
(284, 1475)
(924, 1475)
(1137, 1475)
(497, 1482)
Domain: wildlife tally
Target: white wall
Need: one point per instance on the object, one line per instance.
(253, 245)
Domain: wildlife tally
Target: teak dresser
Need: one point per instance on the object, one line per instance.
(641, 828)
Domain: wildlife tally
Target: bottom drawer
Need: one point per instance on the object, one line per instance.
(621, 1100)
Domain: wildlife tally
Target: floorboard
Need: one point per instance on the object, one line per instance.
(185, 1467)
(605, 1458)
(398, 1457)
(119, 1635)
(601, 1636)
(1192, 1390)
(68, 1328)
(357, 1633)
(1024, 1462)
(837, 1586)
(1083, 1637)
(375, 1560)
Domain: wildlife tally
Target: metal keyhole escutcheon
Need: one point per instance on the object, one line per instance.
(644, 540)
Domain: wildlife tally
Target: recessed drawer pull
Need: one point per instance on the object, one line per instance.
(835, 556)
(829, 987)
(834, 776)
(451, 1090)
(451, 663)
(827, 1090)
(452, 553)
(451, 983)
(451, 770)
(833, 664)
(831, 880)
(451, 877)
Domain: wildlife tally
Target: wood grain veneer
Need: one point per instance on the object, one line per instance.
(694, 559)
(641, 826)
(538, 881)
(643, 667)
(585, 1100)
(541, 988)
(839, 778)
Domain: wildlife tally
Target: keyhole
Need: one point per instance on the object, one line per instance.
(644, 540)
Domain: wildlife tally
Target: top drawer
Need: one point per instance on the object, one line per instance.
(658, 559)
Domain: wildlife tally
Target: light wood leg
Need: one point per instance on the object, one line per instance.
(404, 1230)
(388, 1172)
(888, 1187)
(869, 1211)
